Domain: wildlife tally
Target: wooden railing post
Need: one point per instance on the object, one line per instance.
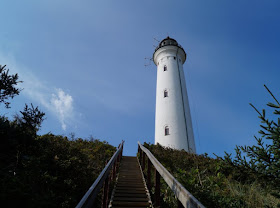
(105, 193)
(143, 161)
(157, 189)
(141, 155)
(118, 162)
(114, 171)
(121, 152)
(119, 158)
(149, 174)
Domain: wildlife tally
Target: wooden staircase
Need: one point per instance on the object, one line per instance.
(130, 190)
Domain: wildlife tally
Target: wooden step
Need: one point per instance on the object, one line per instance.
(137, 195)
(130, 199)
(130, 185)
(130, 204)
(130, 190)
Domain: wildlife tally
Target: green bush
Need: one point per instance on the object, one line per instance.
(51, 171)
(43, 171)
(209, 181)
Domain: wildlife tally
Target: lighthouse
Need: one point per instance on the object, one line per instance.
(173, 124)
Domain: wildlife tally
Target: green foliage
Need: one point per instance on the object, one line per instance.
(261, 162)
(7, 85)
(209, 180)
(17, 135)
(32, 118)
(43, 171)
(53, 171)
(49, 170)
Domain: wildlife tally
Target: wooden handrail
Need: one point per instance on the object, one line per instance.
(89, 197)
(184, 196)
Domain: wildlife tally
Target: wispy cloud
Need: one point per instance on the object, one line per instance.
(62, 103)
(55, 100)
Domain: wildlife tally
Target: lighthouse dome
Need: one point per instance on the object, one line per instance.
(166, 42)
(170, 42)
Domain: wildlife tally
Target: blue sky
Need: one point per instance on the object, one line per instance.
(82, 63)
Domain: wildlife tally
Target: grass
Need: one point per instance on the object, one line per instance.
(210, 181)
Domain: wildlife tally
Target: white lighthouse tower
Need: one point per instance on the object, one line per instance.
(173, 125)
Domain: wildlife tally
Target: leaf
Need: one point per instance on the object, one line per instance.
(255, 109)
(263, 113)
(273, 105)
(271, 94)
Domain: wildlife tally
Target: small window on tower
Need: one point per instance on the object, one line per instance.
(166, 131)
(174, 58)
(165, 94)
(165, 68)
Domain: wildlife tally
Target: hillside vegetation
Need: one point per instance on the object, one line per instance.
(43, 171)
(212, 181)
(48, 170)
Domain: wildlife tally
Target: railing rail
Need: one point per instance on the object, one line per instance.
(186, 199)
(103, 178)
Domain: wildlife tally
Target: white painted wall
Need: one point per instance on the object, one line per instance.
(172, 111)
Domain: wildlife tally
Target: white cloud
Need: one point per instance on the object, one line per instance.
(63, 105)
(59, 103)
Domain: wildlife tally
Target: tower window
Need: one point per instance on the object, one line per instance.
(174, 58)
(166, 131)
(165, 68)
(165, 93)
